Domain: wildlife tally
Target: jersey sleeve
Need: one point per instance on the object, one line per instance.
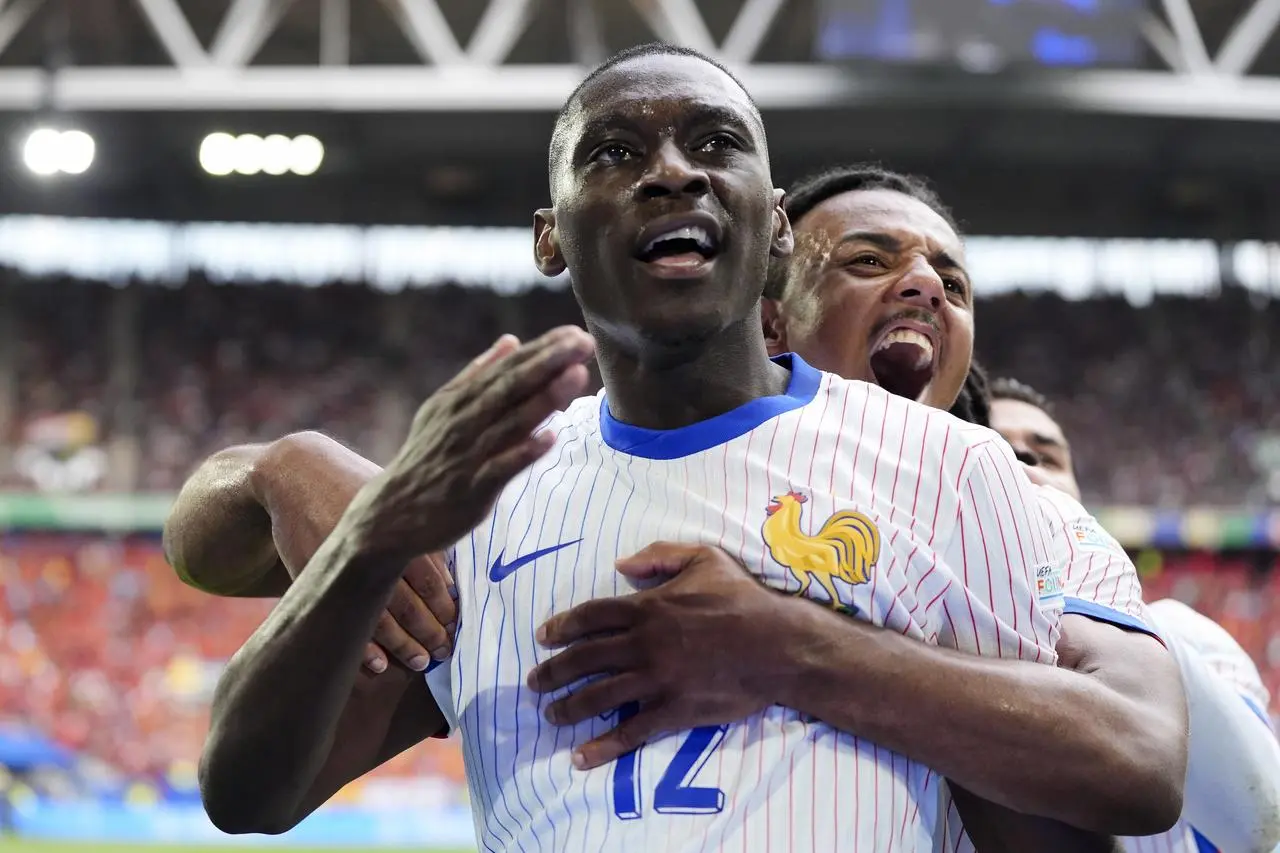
(1098, 578)
(1005, 593)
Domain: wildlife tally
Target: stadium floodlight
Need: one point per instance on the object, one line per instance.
(48, 152)
(217, 154)
(250, 154)
(308, 154)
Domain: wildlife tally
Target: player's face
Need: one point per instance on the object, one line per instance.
(1038, 442)
(878, 291)
(665, 211)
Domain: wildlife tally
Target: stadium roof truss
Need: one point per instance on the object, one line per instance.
(221, 70)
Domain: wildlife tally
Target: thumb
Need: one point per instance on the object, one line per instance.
(659, 560)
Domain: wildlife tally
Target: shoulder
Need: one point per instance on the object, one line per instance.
(1195, 629)
(940, 434)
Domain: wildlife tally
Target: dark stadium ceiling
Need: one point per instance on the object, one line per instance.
(1178, 146)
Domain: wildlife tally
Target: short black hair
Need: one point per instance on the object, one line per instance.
(974, 403)
(1007, 388)
(812, 191)
(656, 48)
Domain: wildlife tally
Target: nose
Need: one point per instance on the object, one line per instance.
(921, 286)
(671, 173)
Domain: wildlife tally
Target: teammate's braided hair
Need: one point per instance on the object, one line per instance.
(656, 48)
(1007, 388)
(974, 403)
(812, 191)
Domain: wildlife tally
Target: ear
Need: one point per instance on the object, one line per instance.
(783, 240)
(774, 326)
(546, 244)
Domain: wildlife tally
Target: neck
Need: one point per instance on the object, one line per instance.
(666, 389)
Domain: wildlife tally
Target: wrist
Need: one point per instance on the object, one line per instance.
(794, 656)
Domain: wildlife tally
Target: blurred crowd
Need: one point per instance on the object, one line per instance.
(102, 648)
(1169, 404)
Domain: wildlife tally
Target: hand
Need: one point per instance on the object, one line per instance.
(468, 440)
(682, 650)
(420, 619)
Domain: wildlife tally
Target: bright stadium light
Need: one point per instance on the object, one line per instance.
(48, 152)
(250, 154)
(308, 154)
(217, 154)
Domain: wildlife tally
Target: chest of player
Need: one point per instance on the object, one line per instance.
(802, 523)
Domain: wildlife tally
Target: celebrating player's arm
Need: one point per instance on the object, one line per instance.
(1233, 779)
(294, 719)
(249, 518)
(996, 727)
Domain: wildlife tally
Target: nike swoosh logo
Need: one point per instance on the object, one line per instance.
(501, 571)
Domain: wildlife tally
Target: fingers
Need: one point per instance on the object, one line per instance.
(412, 614)
(630, 735)
(502, 347)
(590, 657)
(397, 643)
(661, 559)
(593, 617)
(598, 698)
(429, 579)
(375, 659)
(529, 370)
(519, 424)
(496, 472)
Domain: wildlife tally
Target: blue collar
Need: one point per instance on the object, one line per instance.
(695, 438)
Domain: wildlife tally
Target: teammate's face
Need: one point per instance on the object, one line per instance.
(1038, 442)
(878, 291)
(664, 212)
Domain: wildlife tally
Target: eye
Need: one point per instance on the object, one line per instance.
(955, 285)
(868, 260)
(718, 142)
(611, 153)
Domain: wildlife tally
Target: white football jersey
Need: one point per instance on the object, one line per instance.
(898, 514)
(1099, 581)
(1193, 637)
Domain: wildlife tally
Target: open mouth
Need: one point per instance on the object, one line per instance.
(903, 362)
(681, 249)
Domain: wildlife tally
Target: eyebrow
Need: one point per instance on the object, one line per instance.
(702, 114)
(1047, 440)
(889, 243)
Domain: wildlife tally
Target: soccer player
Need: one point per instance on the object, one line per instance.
(665, 213)
(877, 290)
(1232, 800)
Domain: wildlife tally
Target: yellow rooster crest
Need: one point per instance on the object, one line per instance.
(847, 546)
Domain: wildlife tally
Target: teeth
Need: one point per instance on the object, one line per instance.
(689, 232)
(910, 336)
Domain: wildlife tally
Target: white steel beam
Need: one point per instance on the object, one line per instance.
(677, 22)
(335, 32)
(749, 29)
(171, 27)
(1162, 40)
(478, 89)
(1183, 20)
(503, 23)
(243, 30)
(14, 17)
(584, 33)
(1247, 38)
(427, 30)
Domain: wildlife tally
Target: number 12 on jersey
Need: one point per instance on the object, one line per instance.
(674, 793)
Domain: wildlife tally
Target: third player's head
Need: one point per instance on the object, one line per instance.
(876, 288)
(663, 205)
(1025, 418)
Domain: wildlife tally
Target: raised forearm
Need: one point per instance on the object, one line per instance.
(1034, 738)
(278, 705)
